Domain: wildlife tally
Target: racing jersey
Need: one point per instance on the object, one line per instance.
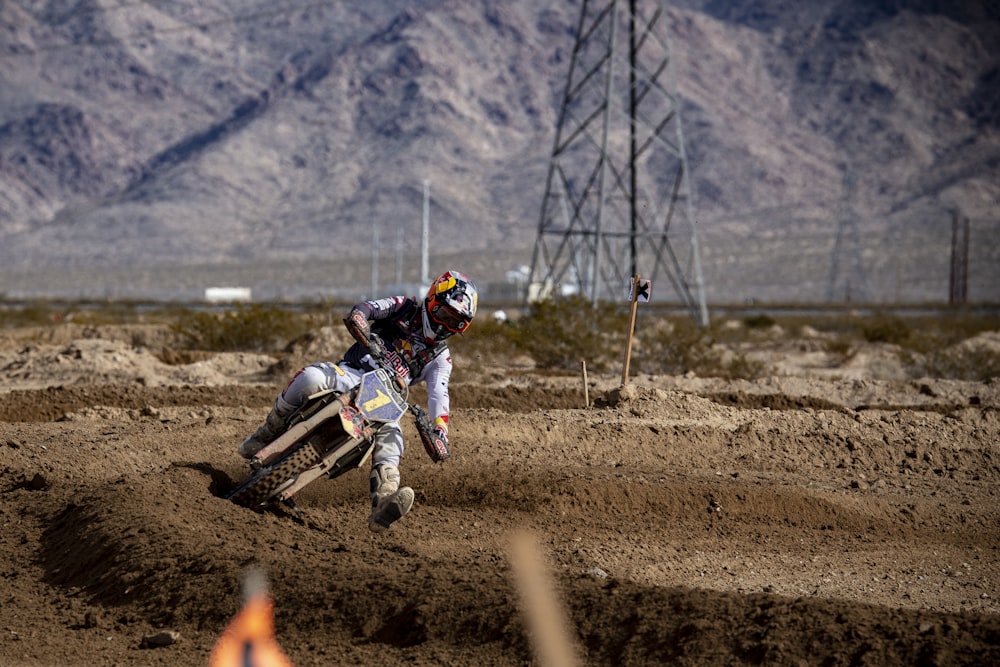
(397, 321)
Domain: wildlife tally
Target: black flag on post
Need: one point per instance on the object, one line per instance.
(638, 290)
(644, 287)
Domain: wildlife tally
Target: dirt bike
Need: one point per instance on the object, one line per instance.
(329, 435)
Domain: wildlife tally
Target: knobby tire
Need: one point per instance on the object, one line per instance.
(258, 492)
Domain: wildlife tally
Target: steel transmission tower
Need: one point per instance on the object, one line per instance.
(847, 250)
(618, 194)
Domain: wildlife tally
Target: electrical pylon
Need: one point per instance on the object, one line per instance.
(618, 194)
(847, 249)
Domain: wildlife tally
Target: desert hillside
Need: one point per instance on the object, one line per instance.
(150, 150)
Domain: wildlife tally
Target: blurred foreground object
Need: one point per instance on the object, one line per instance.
(547, 625)
(248, 640)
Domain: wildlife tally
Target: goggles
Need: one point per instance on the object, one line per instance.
(447, 317)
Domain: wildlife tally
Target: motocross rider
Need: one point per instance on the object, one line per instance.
(411, 335)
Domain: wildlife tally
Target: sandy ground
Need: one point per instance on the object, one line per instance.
(828, 517)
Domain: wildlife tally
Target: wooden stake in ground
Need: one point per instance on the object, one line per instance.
(634, 293)
(545, 619)
(586, 390)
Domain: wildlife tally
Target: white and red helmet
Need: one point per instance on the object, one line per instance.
(449, 306)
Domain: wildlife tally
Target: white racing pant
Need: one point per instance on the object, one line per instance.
(342, 378)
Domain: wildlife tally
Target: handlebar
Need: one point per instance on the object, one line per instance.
(376, 350)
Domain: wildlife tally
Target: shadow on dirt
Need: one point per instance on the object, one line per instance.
(739, 399)
(221, 483)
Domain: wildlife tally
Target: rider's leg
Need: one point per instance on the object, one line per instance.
(272, 427)
(308, 381)
(389, 502)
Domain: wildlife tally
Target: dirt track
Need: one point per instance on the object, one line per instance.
(686, 521)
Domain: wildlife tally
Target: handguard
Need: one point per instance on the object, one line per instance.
(361, 331)
(435, 441)
(358, 325)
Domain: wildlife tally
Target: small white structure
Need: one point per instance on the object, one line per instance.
(227, 294)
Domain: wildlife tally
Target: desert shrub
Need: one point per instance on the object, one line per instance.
(738, 366)
(971, 363)
(559, 333)
(931, 335)
(679, 345)
(32, 314)
(885, 329)
(107, 313)
(931, 346)
(672, 346)
(920, 334)
(761, 321)
(254, 328)
(926, 346)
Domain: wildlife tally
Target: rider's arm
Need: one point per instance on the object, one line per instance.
(379, 309)
(357, 321)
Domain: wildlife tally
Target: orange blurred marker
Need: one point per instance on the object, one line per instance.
(248, 640)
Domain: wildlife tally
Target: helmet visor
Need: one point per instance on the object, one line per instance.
(449, 318)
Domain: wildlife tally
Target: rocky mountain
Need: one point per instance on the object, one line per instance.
(151, 148)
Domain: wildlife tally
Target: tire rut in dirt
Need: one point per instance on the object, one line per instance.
(53, 403)
(256, 493)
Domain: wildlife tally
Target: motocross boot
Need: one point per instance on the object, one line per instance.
(272, 427)
(389, 502)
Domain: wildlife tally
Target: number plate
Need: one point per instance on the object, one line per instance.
(377, 400)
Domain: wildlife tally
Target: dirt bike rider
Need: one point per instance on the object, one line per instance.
(411, 335)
